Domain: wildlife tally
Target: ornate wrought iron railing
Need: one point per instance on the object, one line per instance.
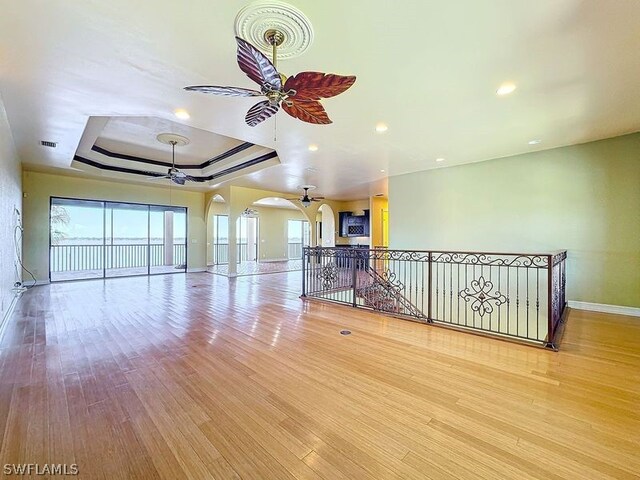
(509, 295)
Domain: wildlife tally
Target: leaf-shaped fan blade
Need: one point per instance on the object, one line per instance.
(226, 91)
(309, 111)
(260, 112)
(257, 67)
(317, 85)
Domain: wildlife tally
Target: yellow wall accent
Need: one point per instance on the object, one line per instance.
(379, 225)
(585, 198)
(39, 187)
(356, 207)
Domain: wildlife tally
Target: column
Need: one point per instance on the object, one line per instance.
(168, 238)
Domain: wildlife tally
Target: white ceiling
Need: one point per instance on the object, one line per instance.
(427, 68)
(127, 148)
(137, 136)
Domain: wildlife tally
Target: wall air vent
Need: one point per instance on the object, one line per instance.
(46, 143)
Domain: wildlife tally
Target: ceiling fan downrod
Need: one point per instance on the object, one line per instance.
(275, 38)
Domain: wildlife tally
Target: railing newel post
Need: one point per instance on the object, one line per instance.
(304, 271)
(550, 323)
(354, 277)
(429, 272)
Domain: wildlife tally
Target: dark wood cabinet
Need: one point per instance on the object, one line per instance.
(354, 225)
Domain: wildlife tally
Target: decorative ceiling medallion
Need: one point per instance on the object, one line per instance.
(256, 19)
(173, 139)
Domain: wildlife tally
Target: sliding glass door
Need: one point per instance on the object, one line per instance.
(168, 227)
(220, 253)
(127, 239)
(76, 239)
(298, 236)
(95, 239)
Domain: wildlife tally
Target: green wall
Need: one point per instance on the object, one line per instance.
(11, 191)
(583, 198)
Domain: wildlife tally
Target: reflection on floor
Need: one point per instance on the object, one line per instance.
(113, 272)
(197, 376)
(258, 268)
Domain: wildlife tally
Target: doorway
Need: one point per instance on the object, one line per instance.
(247, 235)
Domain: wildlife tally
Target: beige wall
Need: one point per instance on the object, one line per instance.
(10, 187)
(585, 198)
(39, 187)
(272, 229)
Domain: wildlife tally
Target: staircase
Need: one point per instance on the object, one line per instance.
(380, 293)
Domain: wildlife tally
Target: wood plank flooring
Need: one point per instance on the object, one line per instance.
(197, 376)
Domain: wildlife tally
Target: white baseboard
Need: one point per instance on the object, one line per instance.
(601, 307)
(269, 260)
(7, 315)
(41, 282)
(196, 270)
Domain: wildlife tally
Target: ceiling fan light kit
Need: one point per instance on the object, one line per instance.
(270, 24)
(173, 174)
(305, 199)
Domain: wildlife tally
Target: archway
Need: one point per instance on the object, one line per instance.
(327, 236)
(270, 233)
(217, 232)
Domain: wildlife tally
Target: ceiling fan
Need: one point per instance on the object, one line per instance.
(173, 174)
(298, 95)
(305, 199)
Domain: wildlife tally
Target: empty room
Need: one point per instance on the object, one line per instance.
(320, 240)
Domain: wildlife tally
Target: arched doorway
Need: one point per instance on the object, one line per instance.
(217, 232)
(327, 230)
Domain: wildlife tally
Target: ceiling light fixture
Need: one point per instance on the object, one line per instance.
(534, 142)
(505, 89)
(182, 114)
(313, 148)
(381, 171)
(381, 128)
(439, 159)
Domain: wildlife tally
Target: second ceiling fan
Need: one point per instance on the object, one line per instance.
(298, 95)
(305, 199)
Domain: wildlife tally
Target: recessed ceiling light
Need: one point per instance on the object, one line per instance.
(534, 142)
(505, 89)
(439, 159)
(381, 127)
(313, 148)
(381, 171)
(182, 114)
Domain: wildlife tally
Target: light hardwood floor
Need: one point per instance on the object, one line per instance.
(196, 376)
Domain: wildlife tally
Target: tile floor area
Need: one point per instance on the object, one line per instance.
(258, 268)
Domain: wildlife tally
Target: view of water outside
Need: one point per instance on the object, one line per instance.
(91, 239)
(82, 225)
